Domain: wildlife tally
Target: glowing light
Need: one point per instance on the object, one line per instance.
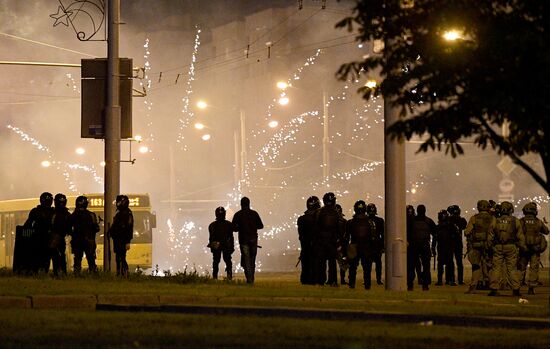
(284, 100)
(413, 190)
(273, 123)
(202, 104)
(138, 138)
(371, 84)
(80, 151)
(102, 164)
(206, 137)
(199, 126)
(452, 35)
(143, 149)
(46, 163)
(282, 85)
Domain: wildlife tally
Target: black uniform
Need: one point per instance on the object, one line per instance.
(443, 242)
(122, 232)
(61, 227)
(363, 240)
(221, 242)
(330, 226)
(84, 228)
(247, 222)
(377, 226)
(458, 246)
(421, 229)
(40, 219)
(306, 231)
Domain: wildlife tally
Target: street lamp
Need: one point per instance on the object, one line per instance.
(199, 126)
(371, 83)
(273, 123)
(80, 151)
(284, 100)
(202, 104)
(45, 163)
(452, 35)
(206, 137)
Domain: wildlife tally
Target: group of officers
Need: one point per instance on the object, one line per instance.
(51, 225)
(499, 246)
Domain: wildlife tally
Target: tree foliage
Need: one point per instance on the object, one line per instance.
(497, 73)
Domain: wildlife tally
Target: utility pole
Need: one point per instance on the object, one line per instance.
(326, 166)
(112, 127)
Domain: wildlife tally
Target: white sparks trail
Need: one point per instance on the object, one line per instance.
(65, 167)
(186, 111)
(146, 85)
(73, 85)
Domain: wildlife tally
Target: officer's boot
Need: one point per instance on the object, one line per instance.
(229, 275)
(531, 291)
(516, 293)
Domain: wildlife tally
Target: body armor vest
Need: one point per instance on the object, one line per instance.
(420, 230)
(506, 230)
(482, 224)
(532, 230)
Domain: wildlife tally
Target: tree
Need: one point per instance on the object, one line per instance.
(493, 73)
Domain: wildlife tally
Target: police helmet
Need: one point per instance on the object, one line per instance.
(122, 202)
(329, 199)
(60, 200)
(360, 207)
(371, 209)
(338, 209)
(421, 210)
(483, 205)
(507, 208)
(530, 208)
(453, 210)
(81, 202)
(220, 213)
(442, 215)
(492, 204)
(46, 199)
(313, 203)
(410, 210)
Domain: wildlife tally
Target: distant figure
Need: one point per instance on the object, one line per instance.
(363, 245)
(40, 219)
(442, 248)
(122, 232)
(506, 240)
(477, 233)
(306, 231)
(61, 227)
(330, 227)
(422, 228)
(247, 222)
(221, 242)
(458, 245)
(342, 248)
(84, 229)
(378, 227)
(535, 240)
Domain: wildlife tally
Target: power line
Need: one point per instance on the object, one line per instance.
(45, 44)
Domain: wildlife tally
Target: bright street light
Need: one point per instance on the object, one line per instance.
(206, 137)
(143, 149)
(199, 126)
(138, 138)
(282, 85)
(452, 35)
(371, 84)
(202, 104)
(284, 100)
(80, 151)
(102, 164)
(45, 163)
(273, 123)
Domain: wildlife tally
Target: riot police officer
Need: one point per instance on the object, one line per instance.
(535, 241)
(330, 226)
(61, 227)
(460, 223)
(342, 249)
(40, 219)
(422, 229)
(306, 231)
(122, 232)
(84, 229)
(506, 240)
(477, 233)
(413, 266)
(442, 247)
(363, 244)
(221, 242)
(377, 225)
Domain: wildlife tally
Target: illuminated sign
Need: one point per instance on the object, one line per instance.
(135, 201)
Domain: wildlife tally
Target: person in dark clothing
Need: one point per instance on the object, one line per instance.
(458, 246)
(422, 228)
(330, 227)
(247, 222)
(363, 245)
(415, 268)
(40, 219)
(61, 227)
(443, 244)
(342, 249)
(84, 229)
(306, 231)
(377, 225)
(221, 242)
(122, 232)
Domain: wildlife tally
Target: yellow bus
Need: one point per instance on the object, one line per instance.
(15, 212)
